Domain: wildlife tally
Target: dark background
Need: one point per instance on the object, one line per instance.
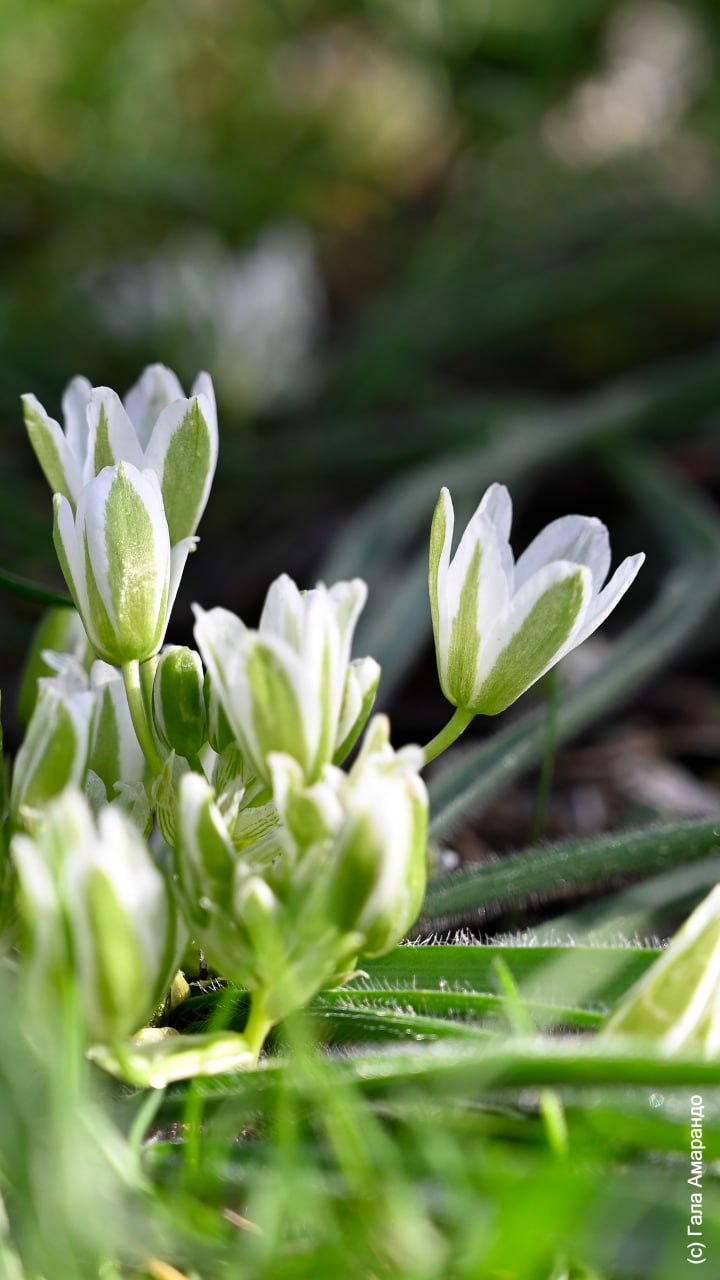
(408, 239)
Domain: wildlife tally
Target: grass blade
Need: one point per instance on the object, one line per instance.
(556, 871)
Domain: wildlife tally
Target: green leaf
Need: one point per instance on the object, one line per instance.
(574, 976)
(551, 872)
(456, 1069)
(639, 912)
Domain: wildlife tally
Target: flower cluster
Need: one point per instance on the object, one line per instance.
(166, 796)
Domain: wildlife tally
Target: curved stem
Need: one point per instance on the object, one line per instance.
(456, 725)
(257, 1026)
(34, 591)
(138, 715)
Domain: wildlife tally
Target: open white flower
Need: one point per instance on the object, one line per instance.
(116, 557)
(500, 625)
(156, 428)
(284, 686)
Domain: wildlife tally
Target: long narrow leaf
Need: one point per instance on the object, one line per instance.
(553, 872)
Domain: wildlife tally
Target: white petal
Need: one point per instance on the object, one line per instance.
(522, 604)
(439, 564)
(219, 636)
(66, 531)
(579, 539)
(493, 584)
(605, 602)
(75, 405)
(52, 449)
(156, 388)
(347, 600)
(111, 436)
(203, 386)
(178, 560)
(91, 523)
(283, 611)
(496, 505)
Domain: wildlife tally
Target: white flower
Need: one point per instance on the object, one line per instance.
(499, 626)
(253, 318)
(116, 557)
(96, 906)
(114, 755)
(156, 429)
(373, 822)
(283, 686)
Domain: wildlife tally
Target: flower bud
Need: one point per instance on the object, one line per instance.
(96, 907)
(179, 701)
(282, 686)
(116, 558)
(499, 626)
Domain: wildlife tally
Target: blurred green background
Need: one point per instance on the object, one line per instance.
(415, 242)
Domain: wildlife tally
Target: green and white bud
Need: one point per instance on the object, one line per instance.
(179, 701)
(54, 753)
(96, 910)
(116, 557)
(156, 429)
(282, 686)
(499, 626)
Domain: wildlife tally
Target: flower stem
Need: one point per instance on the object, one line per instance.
(456, 725)
(138, 715)
(257, 1026)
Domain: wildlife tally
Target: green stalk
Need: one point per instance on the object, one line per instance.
(138, 714)
(456, 725)
(257, 1026)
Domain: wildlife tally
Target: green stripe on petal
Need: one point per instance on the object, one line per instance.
(186, 471)
(531, 650)
(105, 750)
(137, 570)
(48, 448)
(54, 752)
(103, 455)
(98, 623)
(460, 675)
(277, 718)
(438, 536)
(65, 543)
